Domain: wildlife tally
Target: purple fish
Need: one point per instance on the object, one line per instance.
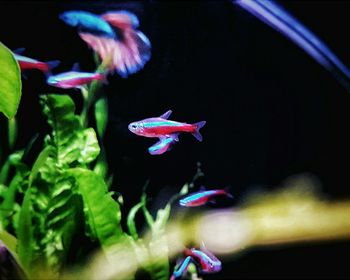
(207, 261)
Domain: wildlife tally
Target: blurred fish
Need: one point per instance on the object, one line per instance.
(88, 22)
(202, 197)
(127, 48)
(26, 63)
(279, 19)
(182, 269)
(163, 145)
(73, 79)
(207, 261)
(162, 127)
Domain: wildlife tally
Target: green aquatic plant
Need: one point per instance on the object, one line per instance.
(10, 83)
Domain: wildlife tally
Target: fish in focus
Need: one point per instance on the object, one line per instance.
(26, 63)
(182, 269)
(202, 197)
(88, 22)
(127, 48)
(207, 261)
(278, 18)
(162, 127)
(74, 79)
(163, 145)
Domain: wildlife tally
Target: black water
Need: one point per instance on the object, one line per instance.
(271, 111)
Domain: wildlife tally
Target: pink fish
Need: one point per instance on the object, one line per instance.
(26, 63)
(74, 79)
(202, 197)
(129, 52)
(207, 261)
(161, 127)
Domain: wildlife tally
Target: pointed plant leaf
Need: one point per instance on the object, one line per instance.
(10, 83)
(25, 232)
(102, 213)
(131, 220)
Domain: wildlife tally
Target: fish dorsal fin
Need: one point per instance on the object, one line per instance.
(19, 51)
(76, 67)
(202, 188)
(166, 115)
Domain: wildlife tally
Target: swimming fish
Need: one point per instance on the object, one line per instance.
(207, 261)
(114, 36)
(182, 269)
(163, 145)
(26, 63)
(162, 127)
(88, 22)
(202, 197)
(74, 79)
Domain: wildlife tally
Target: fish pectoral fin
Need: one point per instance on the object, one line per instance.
(166, 115)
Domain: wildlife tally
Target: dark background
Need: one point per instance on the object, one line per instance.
(271, 110)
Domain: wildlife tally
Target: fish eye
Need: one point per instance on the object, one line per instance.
(133, 126)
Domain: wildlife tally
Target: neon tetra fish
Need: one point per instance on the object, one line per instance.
(26, 63)
(182, 269)
(162, 127)
(74, 79)
(163, 145)
(202, 197)
(207, 261)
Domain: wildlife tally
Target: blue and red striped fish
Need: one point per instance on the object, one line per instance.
(182, 268)
(26, 63)
(161, 127)
(207, 261)
(74, 79)
(163, 145)
(202, 197)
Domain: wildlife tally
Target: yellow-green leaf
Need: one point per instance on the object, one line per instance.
(10, 83)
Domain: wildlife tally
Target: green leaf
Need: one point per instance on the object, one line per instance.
(131, 220)
(9, 240)
(71, 141)
(102, 213)
(26, 242)
(40, 162)
(10, 83)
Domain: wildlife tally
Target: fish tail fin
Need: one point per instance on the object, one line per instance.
(48, 66)
(52, 64)
(227, 192)
(196, 133)
(132, 53)
(128, 55)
